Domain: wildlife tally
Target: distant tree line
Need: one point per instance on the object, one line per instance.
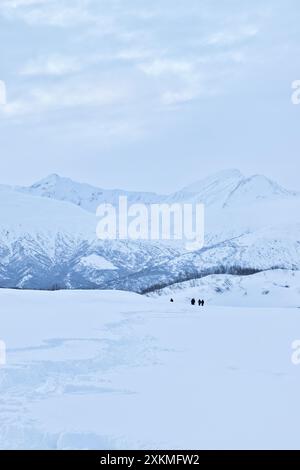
(233, 270)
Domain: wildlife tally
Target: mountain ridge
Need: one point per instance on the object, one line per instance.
(219, 188)
(48, 235)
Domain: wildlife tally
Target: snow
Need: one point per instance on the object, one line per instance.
(211, 190)
(227, 187)
(272, 289)
(81, 194)
(97, 262)
(23, 213)
(109, 369)
(255, 188)
(48, 234)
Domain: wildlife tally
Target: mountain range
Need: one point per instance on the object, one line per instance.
(48, 238)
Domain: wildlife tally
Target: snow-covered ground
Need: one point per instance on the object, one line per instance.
(112, 370)
(273, 288)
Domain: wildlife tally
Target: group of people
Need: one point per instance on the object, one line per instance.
(200, 302)
(193, 302)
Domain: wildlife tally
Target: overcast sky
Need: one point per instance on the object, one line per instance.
(149, 95)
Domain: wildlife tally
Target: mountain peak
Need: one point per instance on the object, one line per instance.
(213, 189)
(224, 188)
(256, 187)
(220, 177)
(51, 179)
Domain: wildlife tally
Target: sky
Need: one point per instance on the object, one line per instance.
(148, 95)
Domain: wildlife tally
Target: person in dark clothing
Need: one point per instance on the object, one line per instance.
(193, 301)
(172, 300)
(199, 302)
(202, 303)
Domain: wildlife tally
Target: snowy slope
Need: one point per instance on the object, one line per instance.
(272, 289)
(31, 214)
(84, 195)
(254, 189)
(238, 239)
(49, 244)
(47, 240)
(223, 188)
(211, 190)
(113, 370)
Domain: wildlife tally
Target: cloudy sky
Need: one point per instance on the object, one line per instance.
(146, 94)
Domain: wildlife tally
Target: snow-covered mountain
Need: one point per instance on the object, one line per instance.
(224, 188)
(256, 188)
(211, 190)
(48, 234)
(84, 195)
(49, 244)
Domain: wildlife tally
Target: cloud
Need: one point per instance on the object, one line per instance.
(230, 37)
(180, 79)
(58, 13)
(14, 4)
(144, 48)
(86, 94)
(134, 54)
(52, 12)
(57, 16)
(55, 65)
(167, 66)
(171, 98)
